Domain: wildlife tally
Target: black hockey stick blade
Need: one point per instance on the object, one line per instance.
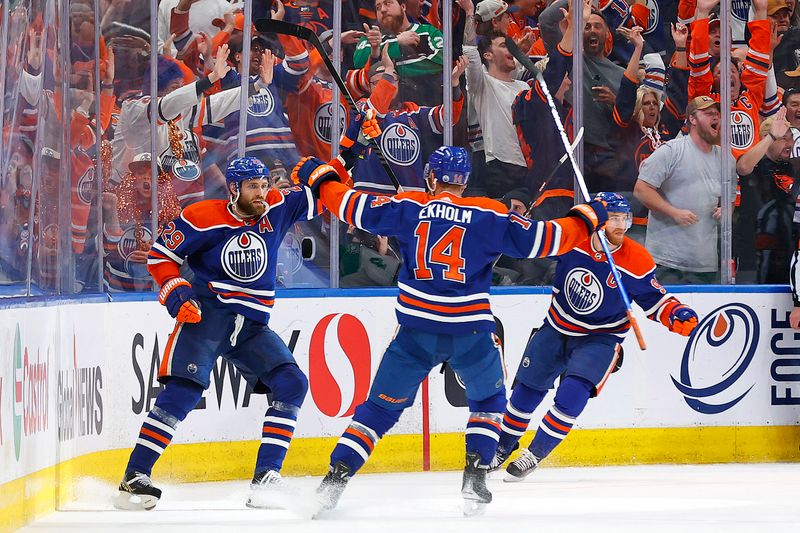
(520, 56)
(301, 32)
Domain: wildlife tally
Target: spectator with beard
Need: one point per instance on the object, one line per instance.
(681, 185)
(763, 236)
(416, 50)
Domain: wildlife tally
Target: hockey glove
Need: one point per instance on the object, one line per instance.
(593, 214)
(180, 300)
(682, 320)
(312, 172)
(362, 128)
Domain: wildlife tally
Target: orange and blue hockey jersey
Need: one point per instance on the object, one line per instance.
(585, 296)
(404, 133)
(745, 121)
(448, 245)
(233, 260)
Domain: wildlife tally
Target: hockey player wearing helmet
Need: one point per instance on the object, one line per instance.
(581, 339)
(448, 244)
(231, 247)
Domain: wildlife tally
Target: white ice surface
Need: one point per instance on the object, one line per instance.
(678, 499)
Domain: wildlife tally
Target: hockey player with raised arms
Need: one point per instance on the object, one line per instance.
(231, 247)
(582, 336)
(448, 244)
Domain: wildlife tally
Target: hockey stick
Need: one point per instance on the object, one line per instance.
(528, 64)
(552, 173)
(308, 35)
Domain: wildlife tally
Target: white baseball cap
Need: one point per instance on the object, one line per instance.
(486, 10)
(139, 160)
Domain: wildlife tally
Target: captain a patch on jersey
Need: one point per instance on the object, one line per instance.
(244, 257)
(583, 290)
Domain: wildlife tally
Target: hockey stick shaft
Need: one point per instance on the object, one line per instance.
(558, 164)
(308, 35)
(526, 62)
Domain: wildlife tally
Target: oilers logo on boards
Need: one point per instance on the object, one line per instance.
(323, 120)
(244, 257)
(86, 188)
(741, 130)
(400, 144)
(583, 290)
(716, 358)
(261, 104)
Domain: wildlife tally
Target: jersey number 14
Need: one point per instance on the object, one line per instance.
(446, 252)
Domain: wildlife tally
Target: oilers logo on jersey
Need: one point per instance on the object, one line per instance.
(584, 291)
(262, 104)
(86, 186)
(652, 20)
(400, 144)
(244, 256)
(741, 129)
(323, 120)
(132, 239)
(186, 168)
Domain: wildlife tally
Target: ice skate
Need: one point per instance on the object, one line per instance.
(473, 486)
(332, 486)
(501, 456)
(267, 488)
(521, 466)
(136, 493)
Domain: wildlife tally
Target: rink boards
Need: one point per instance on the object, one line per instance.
(78, 376)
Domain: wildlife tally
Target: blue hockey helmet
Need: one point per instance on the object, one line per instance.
(243, 169)
(616, 203)
(448, 164)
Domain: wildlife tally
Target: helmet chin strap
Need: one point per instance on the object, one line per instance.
(234, 200)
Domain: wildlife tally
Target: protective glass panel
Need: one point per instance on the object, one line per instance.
(19, 121)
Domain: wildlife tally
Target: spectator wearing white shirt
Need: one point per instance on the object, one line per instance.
(491, 84)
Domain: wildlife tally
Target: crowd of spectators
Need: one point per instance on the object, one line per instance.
(77, 152)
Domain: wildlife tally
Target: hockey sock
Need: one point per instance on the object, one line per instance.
(370, 423)
(571, 398)
(524, 400)
(172, 405)
(483, 426)
(289, 386)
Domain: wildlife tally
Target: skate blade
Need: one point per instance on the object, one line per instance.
(511, 478)
(125, 501)
(474, 508)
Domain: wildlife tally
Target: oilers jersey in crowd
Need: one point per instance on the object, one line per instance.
(449, 245)
(585, 296)
(233, 260)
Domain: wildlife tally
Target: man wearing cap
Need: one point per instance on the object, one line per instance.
(127, 220)
(748, 84)
(681, 185)
(415, 48)
(786, 57)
